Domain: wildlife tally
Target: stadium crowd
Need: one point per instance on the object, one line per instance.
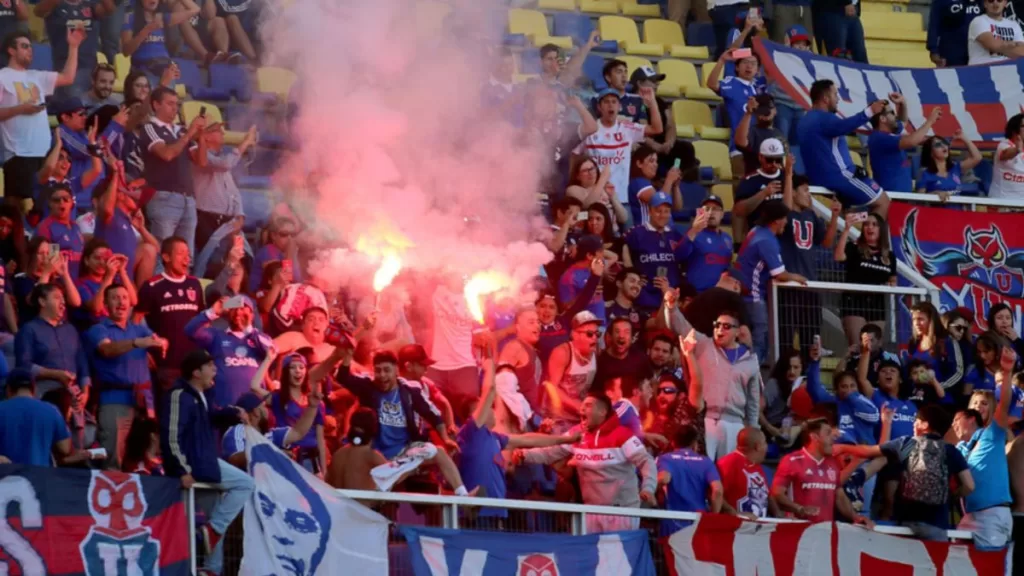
(142, 333)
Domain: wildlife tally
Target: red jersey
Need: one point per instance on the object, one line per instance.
(745, 484)
(810, 482)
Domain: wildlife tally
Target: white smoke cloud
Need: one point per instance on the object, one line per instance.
(392, 121)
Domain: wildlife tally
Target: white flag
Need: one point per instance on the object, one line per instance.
(296, 524)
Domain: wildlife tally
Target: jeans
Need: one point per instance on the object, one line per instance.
(758, 312)
(723, 18)
(172, 214)
(210, 249)
(110, 32)
(235, 489)
(786, 120)
(841, 32)
(115, 420)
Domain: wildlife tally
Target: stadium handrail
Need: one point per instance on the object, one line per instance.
(935, 199)
(579, 511)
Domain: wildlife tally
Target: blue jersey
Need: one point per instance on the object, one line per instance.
(637, 207)
(153, 47)
(858, 416)
(571, 285)
(735, 92)
(948, 368)
(931, 182)
(1016, 401)
(653, 254)
(629, 417)
(237, 356)
(705, 257)
(904, 414)
(482, 464)
(119, 234)
(291, 413)
(980, 379)
(234, 439)
(889, 164)
(986, 458)
(692, 475)
(759, 260)
(753, 184)
(68, 237)
(822, 138)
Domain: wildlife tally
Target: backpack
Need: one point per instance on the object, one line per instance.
(925, 477)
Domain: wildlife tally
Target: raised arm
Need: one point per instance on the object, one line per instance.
(917, 137)
(655, 126)
(485, 407)
(814, 387)
(574, 67)
(742, 136)
(305, 422)
(75, 36)
(695, 391)
(973, 154)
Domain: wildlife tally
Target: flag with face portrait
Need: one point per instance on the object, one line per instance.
(297, 525)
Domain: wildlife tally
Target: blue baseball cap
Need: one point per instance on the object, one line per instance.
(797, 33)
(67, 106)
(659, 199)
(607, 92)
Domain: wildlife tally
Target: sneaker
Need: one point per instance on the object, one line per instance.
(209, 538)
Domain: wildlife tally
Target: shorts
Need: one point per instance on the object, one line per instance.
(855, 191)
(409, 459)
(990, 528)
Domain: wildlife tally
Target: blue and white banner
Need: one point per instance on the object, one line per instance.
(442, 552)
(296, 524)
(975, 99)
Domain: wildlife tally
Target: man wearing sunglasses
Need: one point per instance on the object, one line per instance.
(767, 184)
(571, 371)
(751, 134)
(78, 139)
(888, 145)
(993, 38)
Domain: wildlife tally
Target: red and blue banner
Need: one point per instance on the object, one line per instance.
(976, 259)
(90, 523)
(975, 99)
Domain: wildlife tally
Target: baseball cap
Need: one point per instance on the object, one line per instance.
(414, 353)
(249, 401)
(888, 363)
(589, 244)
(659, 199)
(68, 105)
(797, 33)
(772, 148)
(645, 73)
(714, 200)
(583, 318)
(765, 104)
(607, 92)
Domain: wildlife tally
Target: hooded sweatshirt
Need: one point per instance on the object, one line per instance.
(607, 460)
(732, 388)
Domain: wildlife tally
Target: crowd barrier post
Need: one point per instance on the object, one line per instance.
(190, 514)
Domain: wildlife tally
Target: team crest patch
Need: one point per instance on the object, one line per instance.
(118, 543)
(191, 293)
(537, 565)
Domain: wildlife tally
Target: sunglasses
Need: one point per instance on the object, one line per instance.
(993, 1)
(724, 325)
(668, 390)
(958, 327)
(773, 161)
(588, 333)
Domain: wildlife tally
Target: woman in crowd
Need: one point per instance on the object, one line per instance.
(290, 401)
(788, 369)
(642, 172)
(142, 449)
(958, 323)
(598, 224)
(1000, 321)
(868, 261)
(1007, 167)
(982, 374)
(589, 184)
(932, 345)
(44, 265)
(940, 174)
(100, 268)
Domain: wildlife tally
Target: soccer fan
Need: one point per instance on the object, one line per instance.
(870, 334)
(218, 200)
(651, 248)
(118, 350)
(59, 229)
(60, 16)
(573, 281)
(769, 183)
(691, 481)
(822, 138)
(282, 247)
(884, 390)
(869, 260)
(941, 354)
(589, 184)
(413, 362)
(705, 251)
(83, 143)
(1000, 319)
(62, 170)
(172, 210)
(101, 92)
(32, 431)
(188, 443)
(237, 350)
(570, 372)
(660, 346)
(563, 238)
(888, 145)
(858, 417)
(169, 302)
(45, 266)
(982, 431)
(993, 37)
(455, 331)
(1008, 169)
(554, 325)
(755, 128)
(800, 310)
(948, 24)
(12, 18)
(758, 263)
(22, 91)
(52, 349)
(807, 485)
(642, 171)
(625, 395)
(612, 144)
(521, 354)
(258, 417)
(736, 92)
(939, 173)
(981, 374)
(631, 106)
(604, 481)
(298, 381)
(118, 218)
(628, 284)
(744, 482)
(927, 468)
(731, 379)
(621, 357)
(394, 400)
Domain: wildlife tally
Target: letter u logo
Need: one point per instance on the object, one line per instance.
(803, 234)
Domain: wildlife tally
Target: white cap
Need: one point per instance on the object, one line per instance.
(583, 318)
(772, 147)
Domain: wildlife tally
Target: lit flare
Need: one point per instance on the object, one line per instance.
(482, 284)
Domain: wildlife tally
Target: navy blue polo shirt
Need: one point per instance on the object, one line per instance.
(173, 176)
(118, 375)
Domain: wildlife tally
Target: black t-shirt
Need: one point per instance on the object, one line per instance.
(804, 231)
(757, 135)
(168, 306)
(871, 270)
(704, 309)
(635, 364)
(753, 184)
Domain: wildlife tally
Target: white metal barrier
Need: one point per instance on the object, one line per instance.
(451, 504)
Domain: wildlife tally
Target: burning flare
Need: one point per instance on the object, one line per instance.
(481, 284)
(389, 268)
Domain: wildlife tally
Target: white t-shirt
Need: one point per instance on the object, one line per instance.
(1006, 29)
(453, 331)
(613, 150)
(23, 135)
(1007, 175)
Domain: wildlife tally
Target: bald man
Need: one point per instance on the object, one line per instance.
(747, 492)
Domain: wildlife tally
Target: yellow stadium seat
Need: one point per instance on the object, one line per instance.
(716, 155)
(724, 191)
(685, 121)
(599, 6)
(632, 8)
(275, 80)
(705, 71)
(884, 7)
(853, 143)
(122, 66)
(857, 160)
(523, 78)
(101, 58)
(699, 115)
(564, 5)
(684, 75)
(534, 26)
(670, 35)
(430, 17)
(623, 30)
(633, 62)
(191, 108)
(899, 22)
(36, 27)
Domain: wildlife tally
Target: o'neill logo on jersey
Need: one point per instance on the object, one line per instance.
(597, 457)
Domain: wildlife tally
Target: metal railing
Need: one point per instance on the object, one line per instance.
(451, 506)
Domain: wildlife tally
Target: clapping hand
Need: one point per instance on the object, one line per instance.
(1008, 359)
(76, 36)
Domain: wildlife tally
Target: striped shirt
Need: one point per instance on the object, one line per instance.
(172, 176)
